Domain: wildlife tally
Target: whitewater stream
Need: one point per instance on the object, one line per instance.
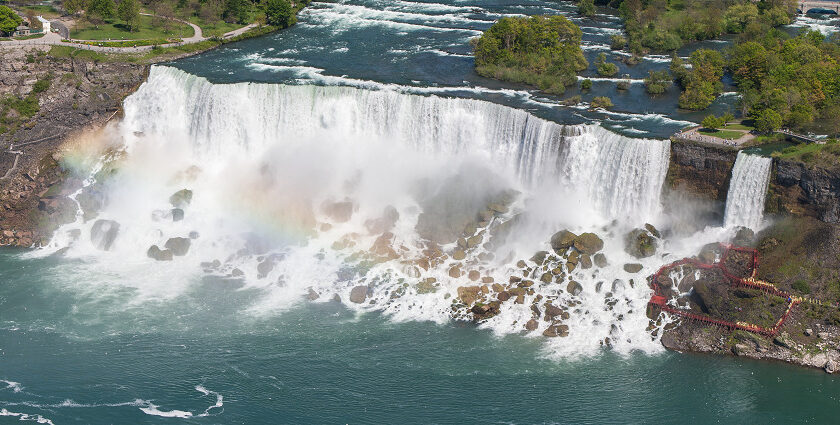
(276, 177)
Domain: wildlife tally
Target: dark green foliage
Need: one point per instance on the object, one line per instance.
(543, 51)
(617, 42)
(601, 102)
(586, 84)
(238, 11)
(712, 122)
(586, 7)
(99, 10)
(605, 69)
(657, 81)
(802, 286)
(280, 13)
(9, 20)
(41, 85)
(702, 82)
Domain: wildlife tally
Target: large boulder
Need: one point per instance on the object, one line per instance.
(556, 330)
(633, 267)
(640, 243)
(179, 246)
(468, 294)
(358, 294)
(589, 243)
(601, 260)
(562, 240)
(158, 254)
(181, 198)
(574, 288)
(338, 212)
(103, 233)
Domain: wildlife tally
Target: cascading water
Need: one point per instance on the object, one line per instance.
(317, 191)
(747, 191)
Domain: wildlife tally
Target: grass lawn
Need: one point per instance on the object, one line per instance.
(46, 11)
(723, 134)
(25, 37)
(116, 30)
(215, 29)
(743, 125)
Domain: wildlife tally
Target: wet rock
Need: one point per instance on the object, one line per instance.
(503, 296)
(809, 332)
(552, 310)
(539, 257)
(574, 288)
(177, 214)
(193, 235)
(558, 330)
(633, 267)
(468, 294)
(181, 198)
(455, 271)
(384, 223)
(640, 243)
(264, 268)
(585, 262)
(709, 253)
(601, 260)
(158, 254)
(744, 237)
(588, 243)
(474, 275)
(358, 294)
(338, 212)
(830, 366)
(427, 286)
(103, 233)
(573, 257)
(562, 240)
(486, 311)
(179, 246)
(546, 277)
(312, 295)
(652, 230)
(531, 325)
(458, 255)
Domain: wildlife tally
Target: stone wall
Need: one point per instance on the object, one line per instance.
(701, 170)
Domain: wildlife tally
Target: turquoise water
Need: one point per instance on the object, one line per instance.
(85, 356)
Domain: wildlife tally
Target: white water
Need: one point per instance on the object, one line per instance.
(747, 191)
(263, 159)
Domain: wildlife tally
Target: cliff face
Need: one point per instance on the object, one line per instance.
(701, 170)
(46, 101)
(799, 189)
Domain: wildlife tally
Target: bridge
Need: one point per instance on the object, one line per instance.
(806, 6)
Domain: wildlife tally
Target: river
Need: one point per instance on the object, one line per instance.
(361, 127)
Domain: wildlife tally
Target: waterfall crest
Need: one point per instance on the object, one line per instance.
(620, 176)
(747, 191)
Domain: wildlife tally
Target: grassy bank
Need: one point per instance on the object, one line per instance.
(150, 28)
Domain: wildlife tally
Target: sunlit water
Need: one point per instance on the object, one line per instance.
(374, 103)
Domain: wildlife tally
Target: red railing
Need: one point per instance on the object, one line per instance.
(660, 300)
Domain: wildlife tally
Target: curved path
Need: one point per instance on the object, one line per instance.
(54, 39)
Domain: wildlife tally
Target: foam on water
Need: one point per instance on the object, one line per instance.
(265, 162)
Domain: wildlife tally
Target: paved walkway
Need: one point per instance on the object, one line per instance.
(693, 134)
(54, 39)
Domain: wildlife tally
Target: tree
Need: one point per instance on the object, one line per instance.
(767, 121)
(586, 84)
(99, 10)
(586, 7)
(280, 13)
(601, 102)
(211, 11)
(74, 6)
(605, 69)
(617, 42)
(712, 122)
(34, 23)
(9, 20)
(657, 81)
(129, 11)
(236, 11)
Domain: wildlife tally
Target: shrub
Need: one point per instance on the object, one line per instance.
(802, 286)
(601, 102)
(586, 84)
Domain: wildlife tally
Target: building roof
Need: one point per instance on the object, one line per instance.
(22, 27)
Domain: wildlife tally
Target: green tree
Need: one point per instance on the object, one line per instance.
(9, 20)
(605, 69)
(237, 11)
(74, 6)
(617, 42)
(712, 122)
(657, 81)
(129, 11)
(280, 13)
(768, 120)
(738, 16)
(586, 84)
(586, 7)
(601, 102)
(99, 10)
(543, 51)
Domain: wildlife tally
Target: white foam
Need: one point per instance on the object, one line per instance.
(26, 417)
(747, 191)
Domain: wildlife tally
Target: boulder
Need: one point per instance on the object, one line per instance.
(556, 330)
(574, 288)
(709, 253)
(427, 286)
(468, 294)
(458, 255)
(562, 240)
(830, 366)
(384, 223)
(358, 294)
(585, 262)
(474, 275)
(588, 243)
(633, 268)
(177, 214)
(531, 325)
(652, 230)
(744, 237)
(158, 254)
(601, 260)
(455, 271)
(539, 257)
(552, 310)
(486, 311)
(338, 212)
(640, 243)
(181, 198)
(103, 233)
(179, 246)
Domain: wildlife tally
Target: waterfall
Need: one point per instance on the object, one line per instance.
(747, 191)
(620, 176)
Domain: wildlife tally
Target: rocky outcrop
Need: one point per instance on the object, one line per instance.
(702, 170)
(800, 189)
